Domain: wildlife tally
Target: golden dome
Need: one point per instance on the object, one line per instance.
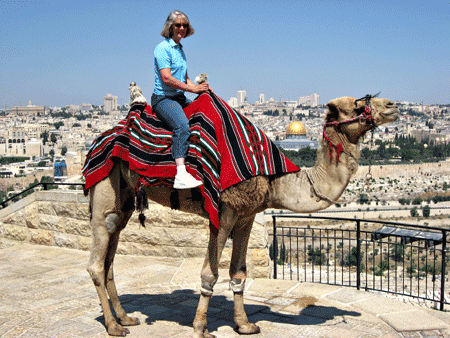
(296, 128)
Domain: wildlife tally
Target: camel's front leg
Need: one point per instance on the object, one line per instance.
(210, 272)
(107, 220)
(238, 274)
(121, 315)
(97, 268)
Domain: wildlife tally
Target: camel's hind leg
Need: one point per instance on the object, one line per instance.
(238, 274)
(107, 221)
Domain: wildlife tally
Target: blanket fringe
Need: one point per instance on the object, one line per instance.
(141, 204)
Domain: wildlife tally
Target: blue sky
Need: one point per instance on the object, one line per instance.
(56, 53)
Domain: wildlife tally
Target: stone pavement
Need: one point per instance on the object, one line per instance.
(46, 292)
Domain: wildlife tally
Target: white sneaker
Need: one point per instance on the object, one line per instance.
(186, 181)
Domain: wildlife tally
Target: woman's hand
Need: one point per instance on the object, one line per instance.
(200, 88)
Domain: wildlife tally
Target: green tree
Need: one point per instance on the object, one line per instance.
(398, 252)
(363, 199)
(284, 255)
(272, 253)
(351, 258)
(410, 270)
(316, 256)
(48, 179)
(57, 125)
(44, 137)
(404, 201)
(53, 138)
(63, 150)
(366, 153)
(383, 265)
(417, 201)
(13, 159)
(414, 212)
(426, 210)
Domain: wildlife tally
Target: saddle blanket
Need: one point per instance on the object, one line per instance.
(225, 149)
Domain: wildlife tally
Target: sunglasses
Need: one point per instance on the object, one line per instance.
(178, 25)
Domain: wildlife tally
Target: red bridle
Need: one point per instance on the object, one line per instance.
(366, 116)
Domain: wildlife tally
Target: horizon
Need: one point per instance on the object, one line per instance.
(58, 53)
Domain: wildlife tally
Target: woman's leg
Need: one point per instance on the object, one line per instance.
(171, 112)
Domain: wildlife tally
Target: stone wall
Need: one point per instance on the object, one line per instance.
(61, 218)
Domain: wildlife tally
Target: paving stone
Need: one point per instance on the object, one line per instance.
(340, 332)
(431, 334)
(274, 287)
(379, 305)
(391, 335)
(416, 320)
(280, 301)
(316, 289)
(411, 335)
(349, 295)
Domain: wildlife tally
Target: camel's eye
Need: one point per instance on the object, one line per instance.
(360, 110)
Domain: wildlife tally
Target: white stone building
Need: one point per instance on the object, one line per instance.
(110, 102)
(232, 102)
(241, 97)
(312, 100)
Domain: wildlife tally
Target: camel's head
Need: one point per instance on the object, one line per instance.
(136, 94)
(355, 117)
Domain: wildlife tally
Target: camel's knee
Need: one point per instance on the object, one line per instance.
(237, 285)
(112, 221)
(208, 283)
(96, 275)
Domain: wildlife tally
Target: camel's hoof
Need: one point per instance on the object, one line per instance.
(249, 328)
(130, 321)
(118, 330)
(204, 334)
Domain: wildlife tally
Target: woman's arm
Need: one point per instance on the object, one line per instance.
(168, 79)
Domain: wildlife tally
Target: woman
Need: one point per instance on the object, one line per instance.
(168, 99)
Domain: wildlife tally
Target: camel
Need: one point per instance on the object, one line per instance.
(306, 191)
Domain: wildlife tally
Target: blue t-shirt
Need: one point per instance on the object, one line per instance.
(169, 54)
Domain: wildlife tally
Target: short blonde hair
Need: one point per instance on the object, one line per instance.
(167, 33)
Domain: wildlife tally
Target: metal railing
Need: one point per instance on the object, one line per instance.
(45, 186)
(348, 256)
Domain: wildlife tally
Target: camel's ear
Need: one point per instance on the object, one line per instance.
(333, 113)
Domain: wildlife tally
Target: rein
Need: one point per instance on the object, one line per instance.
(366, 116)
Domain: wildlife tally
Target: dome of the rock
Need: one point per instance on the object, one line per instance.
(296, 128)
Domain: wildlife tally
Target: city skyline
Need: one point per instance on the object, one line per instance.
(109, 101)
(57, 54)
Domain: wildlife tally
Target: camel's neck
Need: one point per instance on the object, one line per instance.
(316, 188)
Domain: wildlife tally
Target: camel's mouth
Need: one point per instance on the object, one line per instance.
(387, 116)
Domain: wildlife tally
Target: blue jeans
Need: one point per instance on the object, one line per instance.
(169, 109)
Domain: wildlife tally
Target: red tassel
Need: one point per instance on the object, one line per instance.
(339, 150)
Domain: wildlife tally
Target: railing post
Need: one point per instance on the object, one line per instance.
(275, 247)
(358, 254)
(444, 248)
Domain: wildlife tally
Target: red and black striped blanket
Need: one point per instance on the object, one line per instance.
(225, 149)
